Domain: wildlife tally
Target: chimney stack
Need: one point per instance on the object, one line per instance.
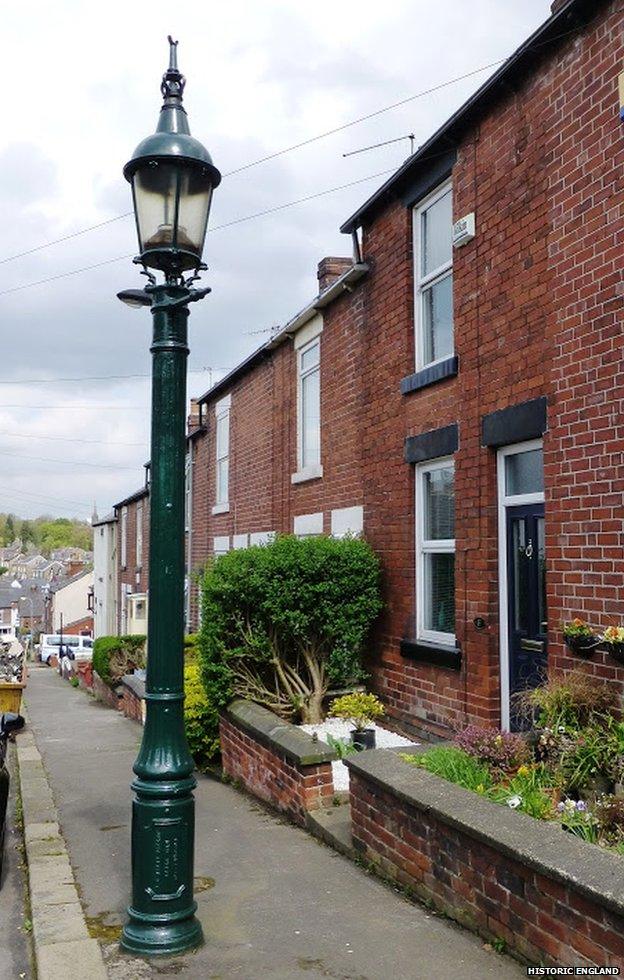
(194, 415)
(330, 269)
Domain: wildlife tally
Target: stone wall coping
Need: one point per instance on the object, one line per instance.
(289, 740)
(135, 684)
(540, 845)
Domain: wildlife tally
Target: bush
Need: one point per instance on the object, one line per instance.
(191, 648)
(571, 700)
(359, 708)
(201, 719)
(114, 656)
(501, 750)
(282, 621)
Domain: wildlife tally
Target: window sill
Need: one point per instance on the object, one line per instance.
(430, 375)
(309, 473)
(437, 654)
(221, 508)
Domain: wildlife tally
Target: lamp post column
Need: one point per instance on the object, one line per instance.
(162, 914)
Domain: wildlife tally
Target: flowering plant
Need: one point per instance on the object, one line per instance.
(501, 750)
(577, 627)
(613, 634)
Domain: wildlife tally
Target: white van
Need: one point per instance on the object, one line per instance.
(49, 646)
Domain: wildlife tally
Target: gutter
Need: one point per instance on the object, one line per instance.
(344, 284)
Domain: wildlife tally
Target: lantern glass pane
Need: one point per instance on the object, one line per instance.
(154, 195)
(195, 195)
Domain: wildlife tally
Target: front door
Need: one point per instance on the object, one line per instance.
(526, 601)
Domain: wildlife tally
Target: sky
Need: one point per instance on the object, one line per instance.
(82, 89)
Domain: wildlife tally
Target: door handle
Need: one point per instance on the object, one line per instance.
(536, 645)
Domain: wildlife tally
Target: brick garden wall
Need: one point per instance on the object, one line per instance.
(263, 766)
(543, 915)
(104, 693)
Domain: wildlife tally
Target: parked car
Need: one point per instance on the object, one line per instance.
(50, 644)
(9, 723)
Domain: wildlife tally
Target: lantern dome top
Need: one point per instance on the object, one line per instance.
(172, 139)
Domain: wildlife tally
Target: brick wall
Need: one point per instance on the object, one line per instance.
(543, 917)
(537, 298)
(263, 442)
(272, 774)
(104, 693)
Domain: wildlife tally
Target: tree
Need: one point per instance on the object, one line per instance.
(281, 622)
(9, 530)
(27, 533)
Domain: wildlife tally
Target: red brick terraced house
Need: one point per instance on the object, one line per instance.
(132, 556)
(455, 391)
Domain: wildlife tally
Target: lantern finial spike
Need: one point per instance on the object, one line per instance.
(173, 82)
(173, 54)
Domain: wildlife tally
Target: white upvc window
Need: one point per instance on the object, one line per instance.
(139, 534)
(308, 351)
(433, 277)
(124, 536)
(435, 551)
(222, 455)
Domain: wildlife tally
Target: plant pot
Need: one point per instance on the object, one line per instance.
(616, 650)
(582, 646)
(364, 739)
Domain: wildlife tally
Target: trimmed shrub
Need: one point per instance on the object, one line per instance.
(114, 656)
(191, 648)
(201, 719)
(283, 621)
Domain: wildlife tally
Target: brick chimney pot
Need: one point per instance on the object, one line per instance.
(330, 269)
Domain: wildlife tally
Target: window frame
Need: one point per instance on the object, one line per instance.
(222, 414)
(425, 547)
(313, 467)
(123, 560)
(423, 283)
(138, 542)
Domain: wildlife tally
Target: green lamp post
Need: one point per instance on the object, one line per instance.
(172, 178)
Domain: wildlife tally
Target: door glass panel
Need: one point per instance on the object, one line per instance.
(521, 575)
(541, 577)
(524, 473)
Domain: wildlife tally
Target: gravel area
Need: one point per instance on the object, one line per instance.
(342, 730)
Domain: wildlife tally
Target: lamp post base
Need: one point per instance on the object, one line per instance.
(145, 935)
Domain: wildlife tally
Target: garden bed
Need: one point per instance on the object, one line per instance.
(336, 729)
(525, 885)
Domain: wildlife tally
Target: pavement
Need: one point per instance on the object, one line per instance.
(275, 904)
(15, 938)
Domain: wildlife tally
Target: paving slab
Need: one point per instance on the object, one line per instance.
(275, 904)
(57, 918)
